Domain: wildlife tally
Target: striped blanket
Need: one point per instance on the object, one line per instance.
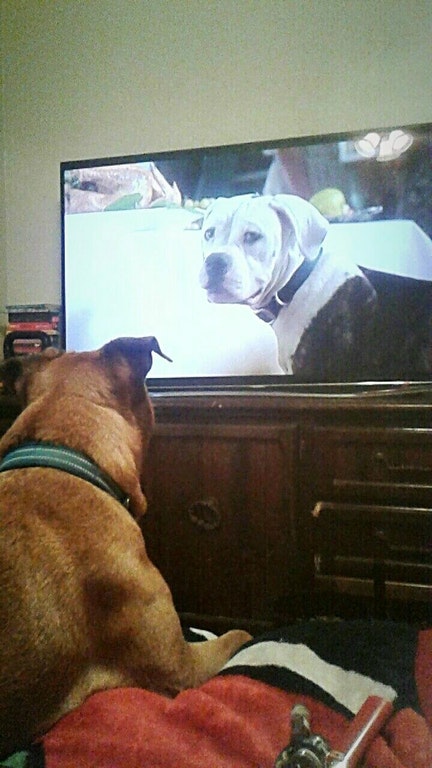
(241, 717)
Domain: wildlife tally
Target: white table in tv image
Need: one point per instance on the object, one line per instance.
(136, 273)
(396, 246)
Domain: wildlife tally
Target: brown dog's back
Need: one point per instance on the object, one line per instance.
(81, 606)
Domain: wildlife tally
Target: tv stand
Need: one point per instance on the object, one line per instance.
(266, 508)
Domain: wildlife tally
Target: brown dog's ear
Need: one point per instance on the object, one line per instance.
(15, 371)
(51, 352)
(11, 372)
(137, 352)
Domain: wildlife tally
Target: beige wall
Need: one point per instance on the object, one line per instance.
(87, 78)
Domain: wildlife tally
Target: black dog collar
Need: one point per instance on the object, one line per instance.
(67, 460)
(283, 297)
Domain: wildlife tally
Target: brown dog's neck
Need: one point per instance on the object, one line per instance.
(93, 430)
(42, 454)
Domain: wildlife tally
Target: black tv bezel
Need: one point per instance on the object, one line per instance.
(265, 384)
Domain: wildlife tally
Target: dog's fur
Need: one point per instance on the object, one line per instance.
(253, 247)
(81, 606)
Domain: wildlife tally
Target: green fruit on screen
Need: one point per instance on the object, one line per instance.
(331, 202)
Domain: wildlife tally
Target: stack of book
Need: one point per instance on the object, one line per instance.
(31, 328)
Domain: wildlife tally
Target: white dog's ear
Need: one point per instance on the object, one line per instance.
(306, 225)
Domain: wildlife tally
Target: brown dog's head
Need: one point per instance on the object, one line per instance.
(126, 360)
(94, 402)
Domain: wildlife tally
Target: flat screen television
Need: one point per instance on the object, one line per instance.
(286, 264)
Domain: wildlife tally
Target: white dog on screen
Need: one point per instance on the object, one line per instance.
(268, 252)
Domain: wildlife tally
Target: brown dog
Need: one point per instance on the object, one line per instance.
(81, 606)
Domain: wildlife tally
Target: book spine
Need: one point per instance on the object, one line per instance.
(33, 317)
(36, 325)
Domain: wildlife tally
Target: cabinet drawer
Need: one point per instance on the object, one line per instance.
(355, 539)
(388, 466)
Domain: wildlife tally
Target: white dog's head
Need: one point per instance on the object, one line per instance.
(252, 245)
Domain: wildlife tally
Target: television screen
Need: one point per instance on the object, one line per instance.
(297, 261)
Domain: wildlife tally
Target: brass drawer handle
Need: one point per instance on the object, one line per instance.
(383, 459)
(205, 514)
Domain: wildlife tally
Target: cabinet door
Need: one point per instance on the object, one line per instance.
(220, 517)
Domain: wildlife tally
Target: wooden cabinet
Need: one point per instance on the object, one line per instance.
(267, 508)
(221, 517)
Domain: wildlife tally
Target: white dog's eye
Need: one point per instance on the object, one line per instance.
(249, 237)
(209, 233)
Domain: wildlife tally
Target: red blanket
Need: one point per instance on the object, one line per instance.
(241, 718)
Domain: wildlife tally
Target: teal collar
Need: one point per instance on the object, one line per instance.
(67, 460)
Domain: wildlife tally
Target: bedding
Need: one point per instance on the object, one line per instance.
(241, 717)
